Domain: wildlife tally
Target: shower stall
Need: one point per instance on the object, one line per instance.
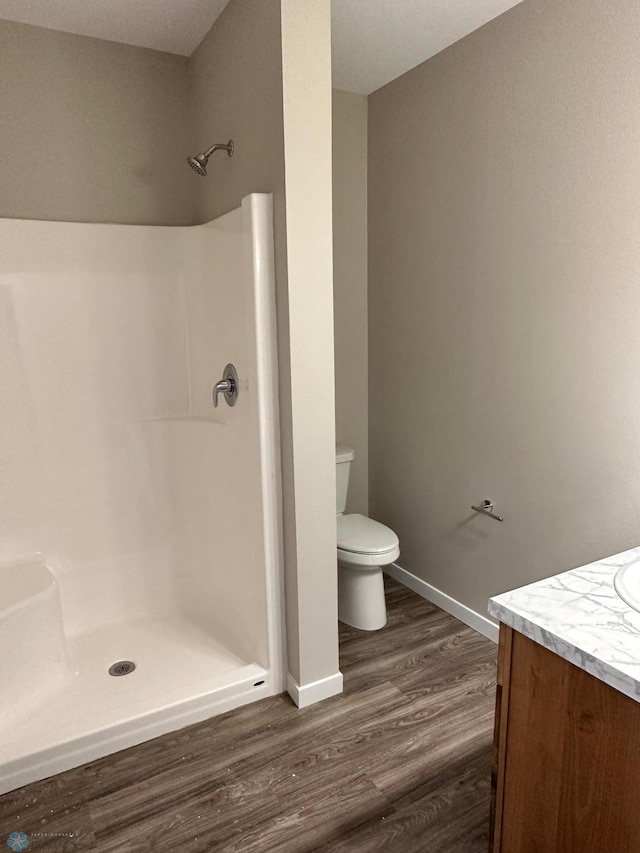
(140, 544)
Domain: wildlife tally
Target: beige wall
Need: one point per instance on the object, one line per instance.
(92, 131)
(306, 68)
(504, 265)
(350, 286)
(237, 87)
(236, 80)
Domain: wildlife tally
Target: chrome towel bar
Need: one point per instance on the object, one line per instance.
(486, 508)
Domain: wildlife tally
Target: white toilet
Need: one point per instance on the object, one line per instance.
(364, 547)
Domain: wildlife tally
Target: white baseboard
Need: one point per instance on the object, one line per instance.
(465, 614)
(316, 691)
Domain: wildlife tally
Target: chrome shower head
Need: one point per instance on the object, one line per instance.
(199, 162)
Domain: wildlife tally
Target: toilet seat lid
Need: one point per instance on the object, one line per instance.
(363, 535)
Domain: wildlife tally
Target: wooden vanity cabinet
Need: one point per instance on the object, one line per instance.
(566, 760)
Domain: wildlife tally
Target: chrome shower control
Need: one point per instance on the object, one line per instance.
(228, 386)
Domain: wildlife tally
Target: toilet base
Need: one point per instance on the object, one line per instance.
(361, 602)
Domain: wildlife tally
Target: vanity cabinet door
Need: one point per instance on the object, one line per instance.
(566, 757)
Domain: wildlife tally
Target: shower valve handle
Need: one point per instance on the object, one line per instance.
(228, 386)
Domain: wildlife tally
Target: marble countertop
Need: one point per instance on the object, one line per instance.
(579, 616)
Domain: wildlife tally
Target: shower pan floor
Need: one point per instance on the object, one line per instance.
(182, 676)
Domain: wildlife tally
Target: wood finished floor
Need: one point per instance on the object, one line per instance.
(399, 762)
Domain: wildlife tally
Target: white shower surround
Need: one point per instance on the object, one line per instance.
(157, 515)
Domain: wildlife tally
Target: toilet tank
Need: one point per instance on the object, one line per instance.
(344, 456)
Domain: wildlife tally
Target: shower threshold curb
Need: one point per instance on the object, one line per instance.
(60, 757)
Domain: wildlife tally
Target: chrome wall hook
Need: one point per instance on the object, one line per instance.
(486, 508)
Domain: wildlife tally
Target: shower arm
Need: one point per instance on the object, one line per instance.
(220, 146)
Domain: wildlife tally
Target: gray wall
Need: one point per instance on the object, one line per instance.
(350, 287)
(504, 265)
(92, 131)
(236, 80)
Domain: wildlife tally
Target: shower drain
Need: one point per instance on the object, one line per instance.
(122, 667)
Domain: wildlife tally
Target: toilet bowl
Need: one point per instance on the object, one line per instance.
(364, 547)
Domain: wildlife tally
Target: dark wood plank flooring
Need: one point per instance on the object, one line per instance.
(399, 762)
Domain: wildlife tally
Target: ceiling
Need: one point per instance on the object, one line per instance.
(174, 26)
(374, 41)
